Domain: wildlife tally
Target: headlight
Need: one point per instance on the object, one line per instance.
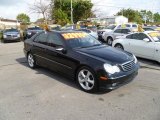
(4, 36)
(29, 33)
(18, 35)
(111, 69)
(135, 59)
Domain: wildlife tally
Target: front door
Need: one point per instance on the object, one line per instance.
(58, 60)
(140, 47)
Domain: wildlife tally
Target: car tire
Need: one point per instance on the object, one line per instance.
(31, 61)
(119, 46)
(109, 41)
(87, 80)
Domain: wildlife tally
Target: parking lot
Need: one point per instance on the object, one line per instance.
(41, 94)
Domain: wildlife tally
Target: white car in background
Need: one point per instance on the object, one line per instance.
(109, 37)
(132, 26)
(144, 44)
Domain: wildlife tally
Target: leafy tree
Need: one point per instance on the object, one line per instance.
(82, 9)
(23, 18)
(60, 17)
(149, 16)
(157, 17)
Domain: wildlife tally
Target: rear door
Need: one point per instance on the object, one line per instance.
(117, 33)
(39, 48)
(125, 31)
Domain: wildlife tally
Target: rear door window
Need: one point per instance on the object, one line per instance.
(125, 31)
(41, 38)
(117, 31)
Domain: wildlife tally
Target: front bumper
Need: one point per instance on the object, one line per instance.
(115, 82)
(12, 38)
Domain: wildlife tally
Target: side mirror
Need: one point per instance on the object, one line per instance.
(146, 40)
(61, 49)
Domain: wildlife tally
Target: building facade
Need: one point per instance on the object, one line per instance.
(8, 23)
(110, 20)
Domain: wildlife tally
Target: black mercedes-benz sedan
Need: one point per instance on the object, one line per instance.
(80, 56)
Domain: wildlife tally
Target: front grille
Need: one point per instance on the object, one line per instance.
(128, 66)
(14, 35)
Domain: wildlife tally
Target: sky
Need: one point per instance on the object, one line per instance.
(11, 8)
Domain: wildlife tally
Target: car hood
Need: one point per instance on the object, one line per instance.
(11, 33)
(107, 54)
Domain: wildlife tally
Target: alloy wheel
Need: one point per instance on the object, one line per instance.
(86, 79)
(31, 60)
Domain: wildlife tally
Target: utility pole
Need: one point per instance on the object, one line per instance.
(71, 13)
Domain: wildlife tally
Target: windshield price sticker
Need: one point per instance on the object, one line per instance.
(154, 34)
(73, 35)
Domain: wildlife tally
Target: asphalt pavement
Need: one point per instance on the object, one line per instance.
(41, 94)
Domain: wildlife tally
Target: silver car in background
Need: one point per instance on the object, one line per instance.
(11, 35)
(117, 33)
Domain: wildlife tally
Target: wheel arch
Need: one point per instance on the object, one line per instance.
(109, 37)
(80, 66)
(119, 44)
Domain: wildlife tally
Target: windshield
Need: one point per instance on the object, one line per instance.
(135, 26)
(111, 27)
(155, 36)
(11, 30)
(127, 25)
(80, 40)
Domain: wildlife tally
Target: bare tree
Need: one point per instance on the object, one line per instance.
(41, 7)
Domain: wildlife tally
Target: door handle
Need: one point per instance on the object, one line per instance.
(156, 50)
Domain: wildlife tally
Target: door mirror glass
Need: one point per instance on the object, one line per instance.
(146, 39)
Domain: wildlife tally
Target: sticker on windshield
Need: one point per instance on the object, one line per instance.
(154, 34)
(73, 35)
